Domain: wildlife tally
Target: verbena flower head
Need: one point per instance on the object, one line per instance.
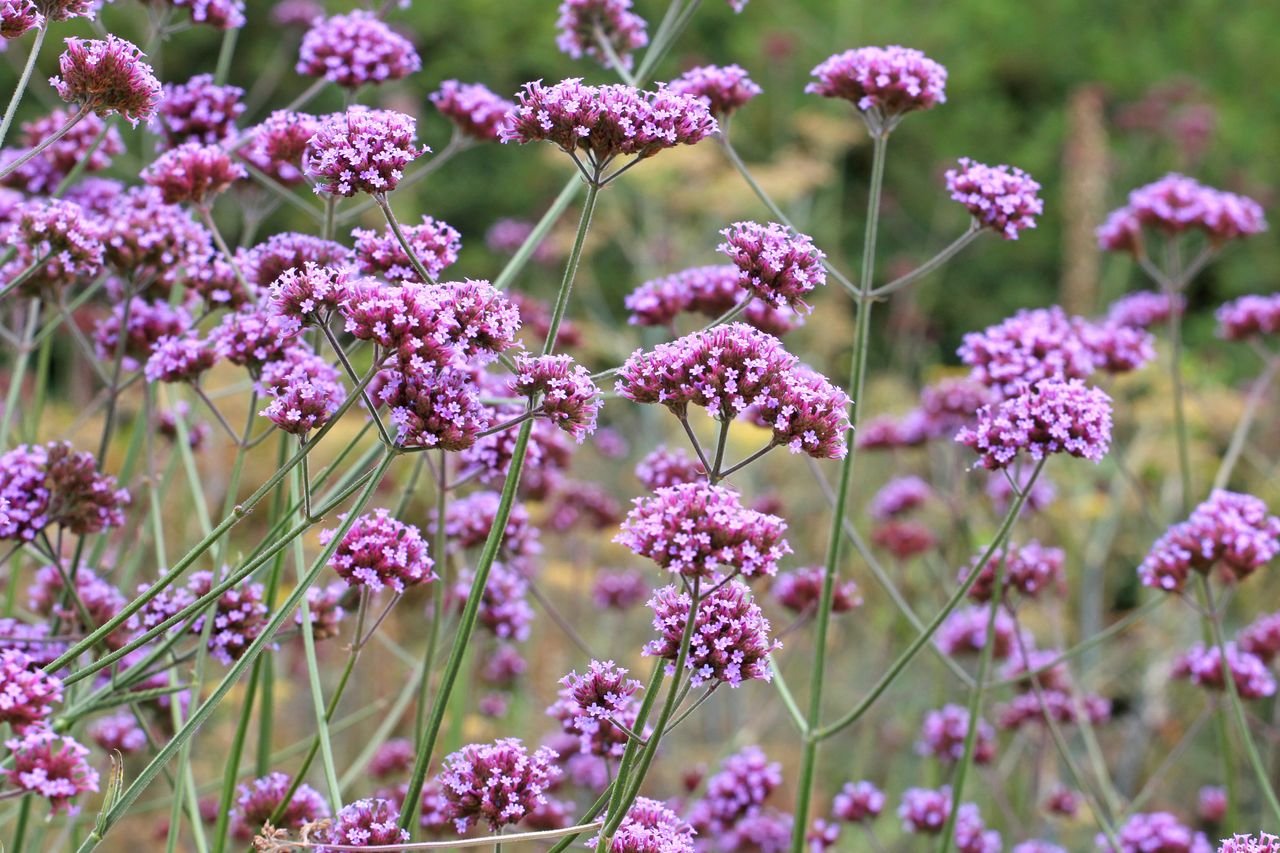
(311, 293)
(434, 407)
(730, 638)
(776, 264)
(709, 291)
(800, 591)
(1262, 637)
(899, 496)
(1211, 804)
(135, 327)
(1263, 842)
(1026, 349)
(65, 10)
(475, 111)
(943, 734)
(605, 122)
(884, 83)
(1249, 317)
(354, 49)
(393, 758)
(564, 390)
(99, 600)
(180, 358)
(365, 823)
(547, 455)
(152, 241)
(1176, 204)
(118, 732)
(304, 391)
(1156, 831)
(279, 253)
(91, 145)
(724, 88)
(972, 835)
(324, 603)
(904, 538)
(51, 766)
(1231, 530)
(1029, 568)
(54, 484)
(499, 783)
(258, 801)
(193, 173)
(651, 827)
(27, 694)
(198, 110)
(700, 531)
(588, 706)
(665, 467)
(107, 76)
(252, 337)
(1003, 199)
(435, 242)
(965, 632)
(1203, 668)
(925, 810)
(584, 23)
(1117, 348)
(504, 608)
(33, 638)
(1028, 709)
(238, 619)
(279, 143)
(17, 17)
(468, 521)
(739, 788)
(380, 551)
(63, 234)
(1056, 417)
(619, 590)
(858, 802)
(362, 150)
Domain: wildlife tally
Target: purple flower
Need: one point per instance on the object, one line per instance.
(1203, 668)
(279, 143)
(499, 783)
(546, 457)
(666, 467)
(365, 823)
(650, 827)
(1026, 349)
(904, 539)
(324, 603)
(709, 291)
(774, 263)
(943, 735)
(800, 591)
(253, 337)
(107, 76)
(620, 590)
(30, 638)
(1249, 316)
(583, 24)
(51, 766)
(311, 293)
(1061, 707)
(61, 235)
(924, 810)
(99, 600)
(1176, 204)
(1117, 348)
(724, 88)
(362, 150)
(145, 323)
(703, 531)
(965, 632)
(1262, 637)
(435, 242)
(354, 49)
(1156, 831)
(238, 619)
(504, 611)
(858, 802)
(76, 148)
(821, 836)
(279, 253)
(605, 122)
(380, 551)
(198, 111)
(1231, 530)
(730, 638)
(219, 14)
(1211, 804)
(475, 111)
(25, 492)
(563, 389)
(1029, 568)
(150, 240)
(1264, 842)
(259, 800)
(193, 173)
(181, 358)
(468, 521)
(304, 391)
(899, 496)
(1144, 309)
(434, 407)
(27, 693)
(119, 732)
(593, 706)
(741, 786)
(394, 757)
(17, 17)
(882, 82)
(1056, 417)
(1001, 198)
(972, 836)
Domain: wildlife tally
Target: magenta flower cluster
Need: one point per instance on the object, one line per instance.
(1249, 317)
(435, 243)
(724, 88)
(498, 783)
(1233, 531)
(380, 551)
(587, 25)
(730, 637)
(362, 151)
(883, 82)
(1175, 205)
(774, 263)
(710, 291)
(1054, 417)
(475, 111)
(356, 49)
(1003, 199)
(563, 391)
(108, 76)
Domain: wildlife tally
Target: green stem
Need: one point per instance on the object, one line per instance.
(33, 152)
(14, 99)
(418, 266)
(18, 373)
(571, 269)
(932, 264)
(538, 234)
(835, 538)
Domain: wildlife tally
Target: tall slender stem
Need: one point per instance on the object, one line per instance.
(835, 539)
(16, 98)
(414, 260)
(33, 152)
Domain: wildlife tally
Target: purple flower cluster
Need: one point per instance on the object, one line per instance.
(278, 144)
(651, 827)
(972, 835)
(800, 591)
(858, 802)
(702, 531)
(924, 810)
(730, 637)
(965, 631)
(119, 732)
(75, 149)
(362, 150)
(107, 76)
(1176, 204)
(198, 110)
(1144, 309)
(475, 111)
(1156, 831)
(468, 521)
(380, 551)
(219, 14)
(253, 337)
(943, 736)
(152, 241)
(899, 496)
(279, 253)
(1029, 568)
(435, 242)
(1055, 417)
(1262, 637)
(1249, 317)
(584, 24)
(1231, 530)
(27, 694)
(99, 600)
(499, 783)
(60, 235)
(1026, 349)
(365, 823)
(710, 291)
(504, 609)
(665, 467)
(775, 263)
(882, 82)
(53, 484)
(17, 17)
(258, 801)
(724, 88)
(355, 49)
(179, 359)
(1203, 668)
(738, 790)
(1003, 199)
(193, 173)
(592, 706)
(310, 293)
(1264, 842)
(563, 389)
(51, 766)
(620, 590)
(304, 391)
(606, 122)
